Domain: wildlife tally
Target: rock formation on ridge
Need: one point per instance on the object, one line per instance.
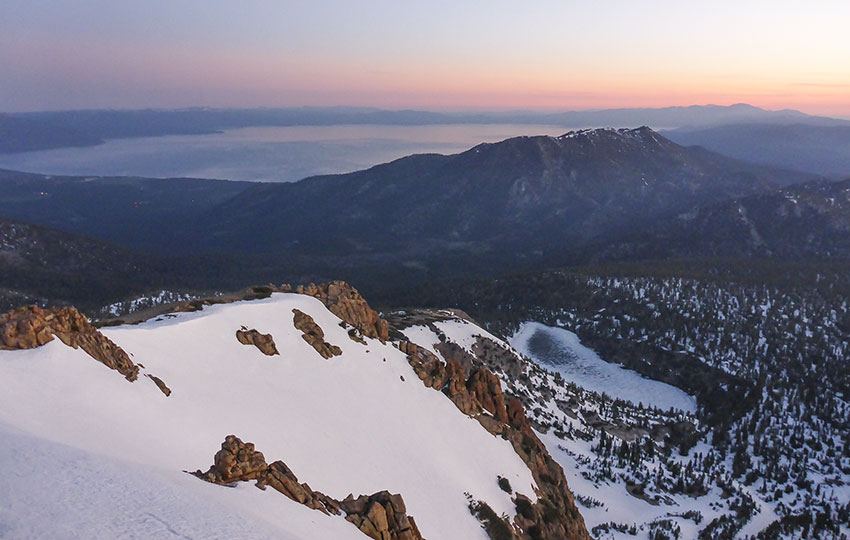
(263, 342)
(314, 335)
(381, 516)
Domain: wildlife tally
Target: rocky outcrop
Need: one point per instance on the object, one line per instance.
(31, 327)
(487, 389)
(473, 389)
(355, 336)
(477, 391)
(554, 515)
(382, 516)
(430, 369)
(235, 462)
(281, 478)
(345, 302)
(26, 328)
(314, 335)
(470, 388)
(239, 461)
(264, 342)
(159, 384)
(339, 297)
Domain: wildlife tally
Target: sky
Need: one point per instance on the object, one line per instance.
(434, 54)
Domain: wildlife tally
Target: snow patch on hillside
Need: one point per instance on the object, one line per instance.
(458, 331)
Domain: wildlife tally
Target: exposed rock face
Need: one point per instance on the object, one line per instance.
(31, 327)
(430, 369)
(159, 384)
(339, 297)
(472, 389)
(281, 478)
(382, 516)
(487, 389)
(26, 328)
(345, 302)
(264, 342)
(356, 337)
(314, 335)
(477, 391)
(554, 496)
(235, 462)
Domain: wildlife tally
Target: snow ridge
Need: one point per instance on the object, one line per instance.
(360, 422)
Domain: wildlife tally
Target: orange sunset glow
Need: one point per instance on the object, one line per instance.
(443, 55)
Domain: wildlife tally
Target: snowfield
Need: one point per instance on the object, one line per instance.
(560, 350)
(459, 331)
(50, 490)
(103, 457)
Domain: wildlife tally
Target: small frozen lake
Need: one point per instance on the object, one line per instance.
(560, 350)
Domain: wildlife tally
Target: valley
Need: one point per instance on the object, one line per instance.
(418, 270)
(631, 349)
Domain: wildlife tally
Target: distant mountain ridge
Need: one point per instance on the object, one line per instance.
(819, 149)
(529, 194)
(799, 222)
(57, 129)
(524, 193)
(23, 134)
(692, 116)
(131, 211)
(38, 264)
(521, 204)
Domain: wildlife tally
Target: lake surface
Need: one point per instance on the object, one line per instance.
(265, 154)
(557, 349)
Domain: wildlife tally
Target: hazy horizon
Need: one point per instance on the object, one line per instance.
(423, 55)
(441, 110)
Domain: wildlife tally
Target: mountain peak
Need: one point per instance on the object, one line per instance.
(642, 132)
(513, 193)
(744, 107)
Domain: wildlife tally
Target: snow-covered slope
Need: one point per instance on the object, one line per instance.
(454, 330)
(50, 490)
(637, 472)
(356, 423)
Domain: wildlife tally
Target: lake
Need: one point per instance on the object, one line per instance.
(265, 154)
(558, 349)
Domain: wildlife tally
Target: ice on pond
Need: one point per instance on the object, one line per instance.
(560, 350)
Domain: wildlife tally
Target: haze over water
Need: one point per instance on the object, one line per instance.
(266, 154)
